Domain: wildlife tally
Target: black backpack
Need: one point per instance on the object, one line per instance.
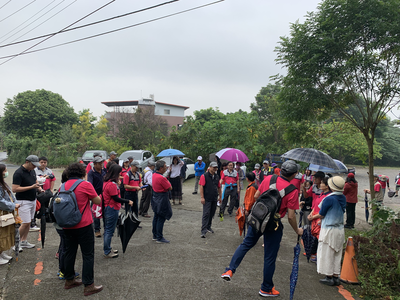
(264, 215)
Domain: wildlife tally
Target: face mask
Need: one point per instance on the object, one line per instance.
(5, 175)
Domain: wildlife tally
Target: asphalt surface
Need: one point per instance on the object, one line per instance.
(187, 268)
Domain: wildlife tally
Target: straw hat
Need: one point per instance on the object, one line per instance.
(336, 183)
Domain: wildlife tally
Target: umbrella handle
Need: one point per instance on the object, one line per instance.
(298, 238)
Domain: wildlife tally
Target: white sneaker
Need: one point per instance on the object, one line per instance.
(5, 256)
(20, 249)
(34, 228)
(25, 244)
(3, 261)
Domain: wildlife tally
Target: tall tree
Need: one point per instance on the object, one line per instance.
(347, 52)
(37, 114)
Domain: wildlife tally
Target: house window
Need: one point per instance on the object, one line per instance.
(166, 112)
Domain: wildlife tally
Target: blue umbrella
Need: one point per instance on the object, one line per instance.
(341, 168)
(170, 152)
(308, 240)
(366, 207)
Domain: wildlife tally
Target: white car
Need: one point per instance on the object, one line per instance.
(189, 164)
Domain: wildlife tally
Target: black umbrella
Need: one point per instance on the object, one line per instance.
(311, 156)
(127, 225)
(366, 207)
(44, 199)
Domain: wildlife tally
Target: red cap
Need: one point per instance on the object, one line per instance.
(350, 175)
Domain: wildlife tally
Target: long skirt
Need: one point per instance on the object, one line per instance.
(176, 192)
(330, 248)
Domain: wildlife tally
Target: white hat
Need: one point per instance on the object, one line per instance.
(199, 158)
(336, 183)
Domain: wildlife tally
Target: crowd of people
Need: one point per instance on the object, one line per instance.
(104, 185)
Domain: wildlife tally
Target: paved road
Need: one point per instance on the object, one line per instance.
(188, 268)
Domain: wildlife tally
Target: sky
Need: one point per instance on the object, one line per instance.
(216, 56)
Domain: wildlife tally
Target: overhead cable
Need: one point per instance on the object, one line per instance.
(16, 11)
(90, 24)
(111, 31)
(14, 56)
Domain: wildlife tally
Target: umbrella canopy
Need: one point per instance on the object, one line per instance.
(295, 269)
(170, 152)
(232, 154)
(241, 220)
(311, 156)
(127, 225)
(341, 168)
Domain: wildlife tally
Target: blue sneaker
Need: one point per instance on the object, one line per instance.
(162, 241)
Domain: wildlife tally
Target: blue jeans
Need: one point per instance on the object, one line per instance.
(158, 226)
(272, 242)
(110, 217)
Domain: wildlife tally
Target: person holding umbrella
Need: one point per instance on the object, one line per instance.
(272, 239)
(112, 204)
(210, 192)
(174, 174)
(160, 202)
(7, 205)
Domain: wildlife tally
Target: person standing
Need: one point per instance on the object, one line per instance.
(112, 204)
(174, 172)
(160, 202)
(210, 192)
(266, 170)
(81, 234)
(125, 169)
(331, 237)
(251, 190)
(133, 184)
(25, 186)
(183, 171)
(90, 165)
(230, 178)
(147, 193)
(242, 177)
(95, 177)
(397, 183)
(199, 169)
(272, 239)
(378, 190)
(7, 205)
(112, 157)
(384, 181)
(257, 173)
(351, 193)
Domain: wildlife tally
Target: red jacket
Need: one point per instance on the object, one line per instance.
(351, 192)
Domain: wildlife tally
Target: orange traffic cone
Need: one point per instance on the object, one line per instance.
(349, 267)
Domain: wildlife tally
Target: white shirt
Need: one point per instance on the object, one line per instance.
(176, 170)
(148, 176)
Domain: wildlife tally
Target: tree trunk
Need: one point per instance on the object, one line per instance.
(370, 143)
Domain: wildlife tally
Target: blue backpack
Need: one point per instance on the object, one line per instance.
(65, 207)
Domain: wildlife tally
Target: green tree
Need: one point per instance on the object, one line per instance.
(37, 114)
(347, 52)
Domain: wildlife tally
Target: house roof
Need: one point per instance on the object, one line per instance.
(136, 102)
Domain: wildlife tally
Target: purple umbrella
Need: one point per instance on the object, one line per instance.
(232, 154)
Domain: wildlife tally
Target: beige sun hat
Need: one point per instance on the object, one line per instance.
(336, 183)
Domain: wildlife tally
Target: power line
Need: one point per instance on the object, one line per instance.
(112, 31)
(43, 21)
(90, 24)
(5, 4)
(16, 11)
(59, 31)
(26, 21)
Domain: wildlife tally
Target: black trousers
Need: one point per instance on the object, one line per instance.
(84, 237)
(232, 193)
(350, 213)
(145, 201)
(209, 209)
(134, 197)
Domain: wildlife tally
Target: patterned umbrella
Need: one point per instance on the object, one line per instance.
(232, 154)
(308, 240)
(341, 168)
(311, 156)
(295, 269)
